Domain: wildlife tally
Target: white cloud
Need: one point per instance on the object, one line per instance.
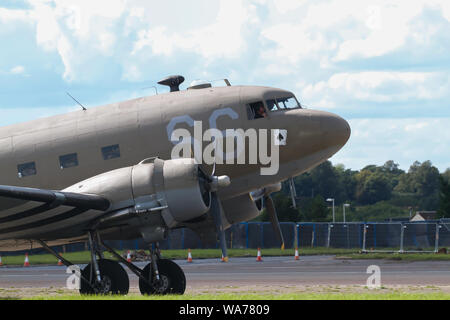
(374, 141)
(337, 31)
(343, 54)
(8, 16)
(77, 31)
(222, 38)
(17, 70)
(286, 6)
(379, 86)
(389, 25)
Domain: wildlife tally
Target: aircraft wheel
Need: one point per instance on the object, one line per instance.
(172, 279)
(114, 279)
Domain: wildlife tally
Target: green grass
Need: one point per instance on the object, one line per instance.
(398, 256)
(84, 256)
(75, 257)
(376, 295)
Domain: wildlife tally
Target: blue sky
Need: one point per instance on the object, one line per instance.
(383, 65)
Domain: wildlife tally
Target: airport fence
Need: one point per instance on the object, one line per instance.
(399, 237)
(363, 236)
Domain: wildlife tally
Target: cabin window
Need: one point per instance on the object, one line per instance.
(256, 110)
(111, 152)
(68, 161)
(26, 169)
(272, 105)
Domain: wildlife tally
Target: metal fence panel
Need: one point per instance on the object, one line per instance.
(368, 236)
(345, 235)
(383, 236)
(444, 234)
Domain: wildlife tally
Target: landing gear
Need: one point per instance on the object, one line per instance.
(114, 279)
(171, 279)
(103, 276)
(159, 277)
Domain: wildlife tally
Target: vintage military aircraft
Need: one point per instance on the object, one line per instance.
(108, 173)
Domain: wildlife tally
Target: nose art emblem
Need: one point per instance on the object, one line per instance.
(280, 137)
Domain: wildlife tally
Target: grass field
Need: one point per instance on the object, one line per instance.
(397, 256)
(84, 256)
(377, 295)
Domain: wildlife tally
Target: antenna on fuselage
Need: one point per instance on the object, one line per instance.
(76, 101)
(154, 87)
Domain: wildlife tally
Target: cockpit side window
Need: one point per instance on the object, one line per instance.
(256, 110)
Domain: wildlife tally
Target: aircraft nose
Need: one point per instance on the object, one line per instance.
(337, 130)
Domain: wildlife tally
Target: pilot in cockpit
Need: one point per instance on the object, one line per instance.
(261, 112)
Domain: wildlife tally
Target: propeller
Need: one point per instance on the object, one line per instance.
(272, 212)
(265, 196)
(216, 213)
(293, 192)
(214, 183)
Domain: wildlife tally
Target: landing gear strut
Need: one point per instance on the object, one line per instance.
(103, 276)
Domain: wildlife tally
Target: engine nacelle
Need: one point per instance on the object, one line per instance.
(178, 188)
(240, 209)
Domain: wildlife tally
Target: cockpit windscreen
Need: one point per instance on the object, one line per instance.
(283, 103)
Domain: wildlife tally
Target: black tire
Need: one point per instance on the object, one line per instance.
(173, 280)
(114, 279)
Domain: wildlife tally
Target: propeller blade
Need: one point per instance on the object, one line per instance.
(215, 158)
(293, 192)
(217, 217)
(271, 211)
(210, 169)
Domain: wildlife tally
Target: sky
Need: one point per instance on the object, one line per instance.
(382, 65)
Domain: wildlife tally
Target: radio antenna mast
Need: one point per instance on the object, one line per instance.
(76, 101)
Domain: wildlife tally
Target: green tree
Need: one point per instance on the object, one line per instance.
(379, 212)
(285, 211)
(444, 197)
(326, 180)
(314, 209)
(372, 186)
(446, 175)
(422, 180)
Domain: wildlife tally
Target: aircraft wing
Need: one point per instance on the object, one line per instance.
(56, 198)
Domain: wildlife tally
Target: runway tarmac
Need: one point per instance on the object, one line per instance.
(272, 273)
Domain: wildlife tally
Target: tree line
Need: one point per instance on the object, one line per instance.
(374, 193)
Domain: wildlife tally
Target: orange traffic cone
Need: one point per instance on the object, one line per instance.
(224, 259)
(27, 262)
(59, 261)
(1, 263)
(258, 257)
(128, 257)
(189, 259)
(297, 257)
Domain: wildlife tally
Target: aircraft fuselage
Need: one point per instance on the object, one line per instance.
(123, 134)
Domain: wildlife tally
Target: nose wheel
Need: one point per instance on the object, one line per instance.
(171, 279)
